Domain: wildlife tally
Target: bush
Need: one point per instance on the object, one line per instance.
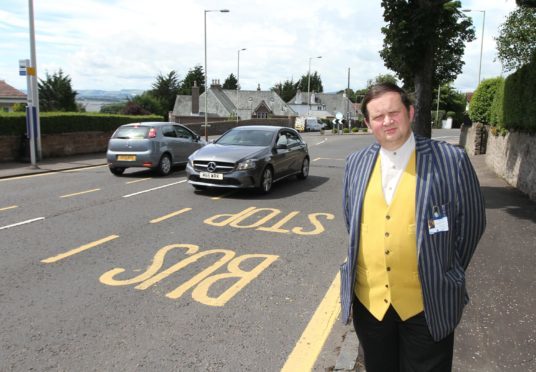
(346, 130)
(497, 107)
(56, 122)
(480, 106)
(355, 129)
(520, 99)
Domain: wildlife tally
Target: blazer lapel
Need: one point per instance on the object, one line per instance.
(424, 165)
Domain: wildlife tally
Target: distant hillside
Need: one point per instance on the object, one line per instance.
(107, 95)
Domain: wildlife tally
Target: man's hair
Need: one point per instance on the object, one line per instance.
(380, 89)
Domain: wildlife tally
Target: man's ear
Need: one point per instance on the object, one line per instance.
(411, 113)
(367, 123)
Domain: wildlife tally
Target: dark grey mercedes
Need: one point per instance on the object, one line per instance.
(249, 157)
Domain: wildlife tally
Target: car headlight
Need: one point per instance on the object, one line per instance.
(248, 164)
(190, 162)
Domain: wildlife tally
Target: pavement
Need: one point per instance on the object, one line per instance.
(497, 331)
(16, 169)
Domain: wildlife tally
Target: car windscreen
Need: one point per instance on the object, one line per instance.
(247, 137)
(131, 132)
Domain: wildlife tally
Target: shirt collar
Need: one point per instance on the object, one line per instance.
(402, 154)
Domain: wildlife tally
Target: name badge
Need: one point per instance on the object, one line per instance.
(439, 221)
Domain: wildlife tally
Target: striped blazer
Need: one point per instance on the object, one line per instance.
(445, 180)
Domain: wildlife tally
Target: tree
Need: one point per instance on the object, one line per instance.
(56, 93)
(516, 42)
(195, 74)
(165, 90)
(144, 104)
(287, 90)
(230, 82)
(316, 83)
(424, 42)
(449, 99)
(526, 3)
(382, 78)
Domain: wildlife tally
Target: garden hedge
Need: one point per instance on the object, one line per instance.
(59, 122)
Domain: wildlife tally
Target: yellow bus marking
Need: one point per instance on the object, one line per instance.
(82, 248)
(10, 207)
(309, 346)
(224, 195)
(135, 181)
(79, 193)
(173, 214)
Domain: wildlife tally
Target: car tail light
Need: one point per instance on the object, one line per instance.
(152, 133)
(148, 164)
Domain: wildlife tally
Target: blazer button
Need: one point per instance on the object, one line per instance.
(387, 251)
(388, 268)
(385, 300)
(387, 217)
(386, 234)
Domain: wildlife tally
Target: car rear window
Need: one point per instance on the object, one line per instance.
(131, 132)
(247, 137)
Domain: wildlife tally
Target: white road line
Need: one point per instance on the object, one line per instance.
(136, 181)
(22, 223)
(321, 142)
(153, 189)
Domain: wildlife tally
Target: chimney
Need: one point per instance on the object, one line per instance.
(258, 87)
(215, 83)
(195, 98)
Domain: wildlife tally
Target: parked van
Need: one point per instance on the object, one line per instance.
(309, 124)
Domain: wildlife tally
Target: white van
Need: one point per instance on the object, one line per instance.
(309, 124)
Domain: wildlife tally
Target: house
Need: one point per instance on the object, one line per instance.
(323, 105)
(226, 103)
(10, 96)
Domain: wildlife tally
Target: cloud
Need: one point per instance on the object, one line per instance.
(112, 44)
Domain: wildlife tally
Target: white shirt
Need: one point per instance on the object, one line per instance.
(393, 164)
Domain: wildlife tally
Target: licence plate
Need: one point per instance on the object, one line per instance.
(126, 157)
(211, 176)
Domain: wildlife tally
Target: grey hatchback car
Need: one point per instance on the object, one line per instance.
(155, 145)
(249, 157)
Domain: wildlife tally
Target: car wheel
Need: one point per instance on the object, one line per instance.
(304, 169)
(164, 166)
(117, 171)
(266, 180)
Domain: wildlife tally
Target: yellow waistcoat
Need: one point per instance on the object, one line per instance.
(387, 270)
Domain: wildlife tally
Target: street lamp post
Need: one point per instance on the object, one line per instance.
(238, 82)
(206, 74)
(482, 37)
(309, 85)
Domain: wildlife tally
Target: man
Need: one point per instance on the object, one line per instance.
(415, 214)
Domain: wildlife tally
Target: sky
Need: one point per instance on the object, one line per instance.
(126, 44)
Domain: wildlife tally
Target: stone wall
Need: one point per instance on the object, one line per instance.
(219, 127)
(12, 148)
(513, 157)
(474, 138)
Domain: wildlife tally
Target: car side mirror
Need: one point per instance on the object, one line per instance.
(281, 147)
